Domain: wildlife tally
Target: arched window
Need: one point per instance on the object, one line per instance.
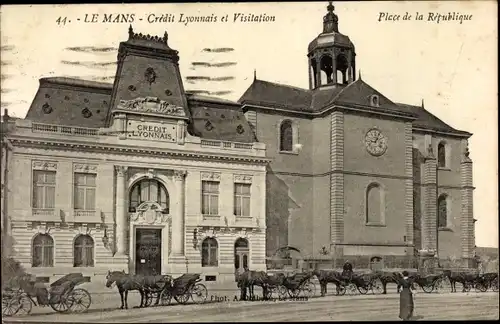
(326, 66)
(342, 66)
(376, 264)
(442, 155)
(286, 136)
(375, 205)
(149, 190)
(314, 75)
(209, 253)
(442, 211)
(83, 251)
(43, 251)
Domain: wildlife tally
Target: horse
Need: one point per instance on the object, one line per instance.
(462, 277)
(389, 277)
(328, 276)
(126, 282)
(249, 279)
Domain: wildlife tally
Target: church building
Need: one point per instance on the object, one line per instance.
(355, 175)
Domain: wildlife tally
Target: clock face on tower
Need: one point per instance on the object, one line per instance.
(375, 142)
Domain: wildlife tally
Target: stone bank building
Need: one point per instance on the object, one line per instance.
(143, 176)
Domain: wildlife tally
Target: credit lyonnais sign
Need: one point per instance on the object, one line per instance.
(152, 131)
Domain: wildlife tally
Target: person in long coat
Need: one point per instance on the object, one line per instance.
(406, 298)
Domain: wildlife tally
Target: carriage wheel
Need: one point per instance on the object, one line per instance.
(25, 305)
(377, 287)
(494, 284)
(466, 287)
(199, 293)
(293, 293)
(184, 298)
(428, 288)
(340, 291)
(148, 295)
(309, 290)
(362, 290)
(80, 300)
(351, 289)
(63, 305)
(10, 305)
(481, 287)
(269, 293)
(165, 298)
(282, 292)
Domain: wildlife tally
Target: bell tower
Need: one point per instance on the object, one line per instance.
(331, 55)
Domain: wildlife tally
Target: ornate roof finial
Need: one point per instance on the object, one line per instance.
(165, 37)
(359, 74)
(330, 20)
(254, 74)
(130, 32)
(422, 103)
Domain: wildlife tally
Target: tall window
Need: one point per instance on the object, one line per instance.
(149, 190)
(210, 198)
(85, 185)
(442, 211)
(43, 251)
(441, 155)
(44, 189)
(209, 251)
(374, 204)
(242, 199)
(83, 251)
(286, 136)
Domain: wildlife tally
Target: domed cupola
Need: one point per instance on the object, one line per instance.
(331, 55)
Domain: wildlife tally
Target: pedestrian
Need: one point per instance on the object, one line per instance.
(406, 298)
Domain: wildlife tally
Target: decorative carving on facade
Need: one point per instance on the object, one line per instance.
(241, 178)
(121, 170)
(179, 175)
(150, 75)
(90, 168)
(150, 213)
(210, 176)
(82, 228)
(430, 151)
(151, 105)
(151, 174)
(44, 165)
(466, 151)
(43, 227)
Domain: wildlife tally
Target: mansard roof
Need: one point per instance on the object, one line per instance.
(356, 94)
(75, 102)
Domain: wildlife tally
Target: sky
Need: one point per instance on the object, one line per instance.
(452, 66)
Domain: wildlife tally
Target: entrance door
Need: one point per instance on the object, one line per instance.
(148, 251)
(241, 255)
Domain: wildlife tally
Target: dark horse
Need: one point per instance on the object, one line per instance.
(126, 282)
(328, 276)
(466, 279)
(389, 277)
(249, 279)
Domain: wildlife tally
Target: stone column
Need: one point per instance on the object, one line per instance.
(178, 218)
(429, 217)
(466, 212)
(337, 186)
(121, 211)
(318, 70)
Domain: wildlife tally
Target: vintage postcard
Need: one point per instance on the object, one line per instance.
(291, 161)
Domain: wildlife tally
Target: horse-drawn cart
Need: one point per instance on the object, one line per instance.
(299, 284)
(61, 296)
(183, 288)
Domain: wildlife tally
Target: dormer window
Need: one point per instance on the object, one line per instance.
(374, 101)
